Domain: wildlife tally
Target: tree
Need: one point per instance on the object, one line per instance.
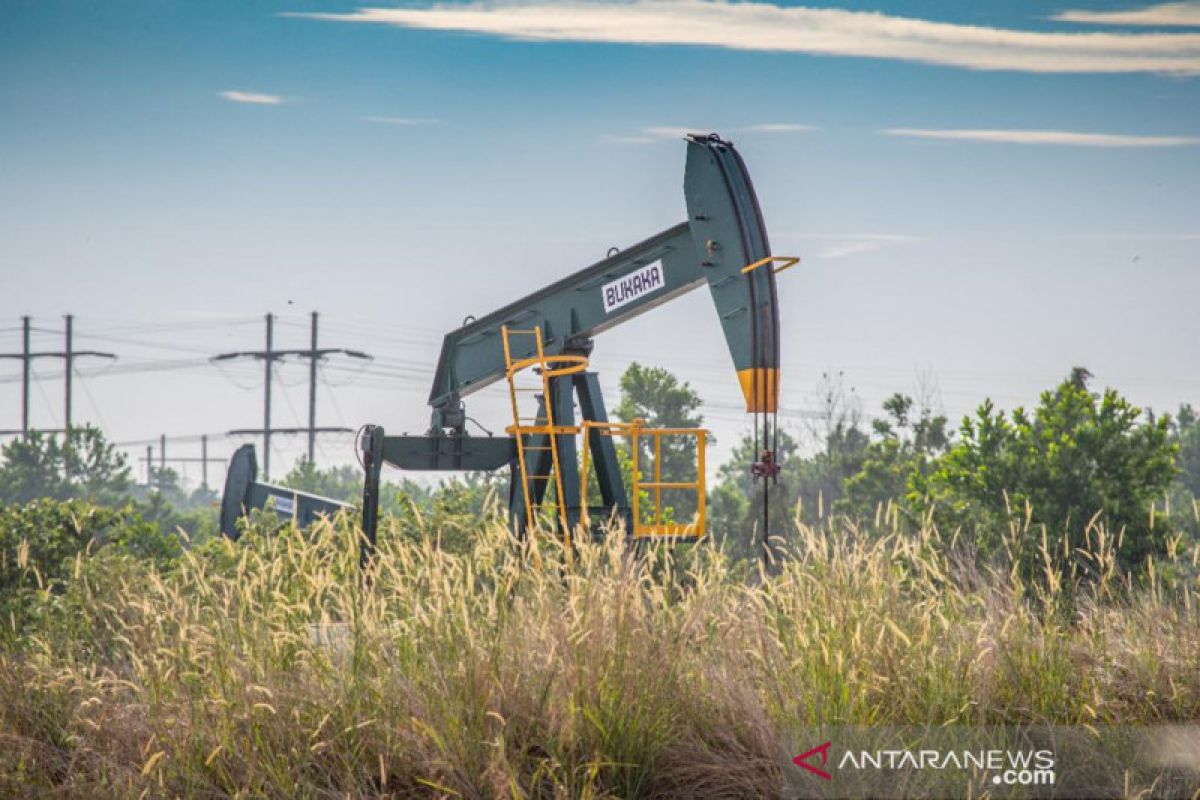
(457, 510)
(1076, 455)
(40, 540)
(83, 465)
(655, 395)
(807, 487)
(1185, 494)
(906, 446)
(345, 482)
(165, 482)
(736, 501)
(840, 445)
(1185, 432)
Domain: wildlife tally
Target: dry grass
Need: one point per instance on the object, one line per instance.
(273, 669)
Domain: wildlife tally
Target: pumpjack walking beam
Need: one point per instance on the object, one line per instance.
(722, 243)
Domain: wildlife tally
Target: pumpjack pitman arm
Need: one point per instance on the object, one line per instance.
(722, 243)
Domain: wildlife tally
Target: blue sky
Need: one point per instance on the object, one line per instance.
(985, 194)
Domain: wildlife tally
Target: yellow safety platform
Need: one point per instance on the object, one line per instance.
(648, 520)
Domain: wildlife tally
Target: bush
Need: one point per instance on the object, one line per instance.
(1077, 459)
(83, 465)
(41, 543)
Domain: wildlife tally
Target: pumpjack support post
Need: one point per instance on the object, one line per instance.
(372, 460)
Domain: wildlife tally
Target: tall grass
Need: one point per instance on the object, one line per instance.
(274, 668)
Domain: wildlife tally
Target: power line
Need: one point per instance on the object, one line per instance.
(92, 402)
(141, 343)
(269, 356)
(135, 367)
(27, 356)
(203, 460)
(190, 438)
(41, 389)
(159, 327)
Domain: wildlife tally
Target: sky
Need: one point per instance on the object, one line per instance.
(982, 195)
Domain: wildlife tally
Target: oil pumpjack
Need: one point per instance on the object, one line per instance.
(548, 336)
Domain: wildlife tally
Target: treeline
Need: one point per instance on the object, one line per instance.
(1077, 459)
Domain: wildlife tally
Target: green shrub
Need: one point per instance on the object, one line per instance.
(42, 541)
(1076, 459)
(84, 465)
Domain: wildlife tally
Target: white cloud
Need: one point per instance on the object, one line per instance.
(820, 31)
(613, 138)
(841, 245)
(1144, 237)
(1185, 14)
(659, 133)
(254, 98)
(669, 132)
(874, 237)
(778, 127)
(654, 133)
(1044, 137)
(850, 249)
(404, 122)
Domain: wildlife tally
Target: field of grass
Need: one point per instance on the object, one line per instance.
(271, 668)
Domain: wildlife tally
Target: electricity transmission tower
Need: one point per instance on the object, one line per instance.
(68, 354)
(269, 356)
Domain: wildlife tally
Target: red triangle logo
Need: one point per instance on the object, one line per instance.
(822, 750)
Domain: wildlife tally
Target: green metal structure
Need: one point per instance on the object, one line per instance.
(722, 244)
(243, 492)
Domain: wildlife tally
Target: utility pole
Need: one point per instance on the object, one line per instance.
(25, 363)
(271, 355)
(68, 362)
(27, 355)
(312, 391)
(163, 460)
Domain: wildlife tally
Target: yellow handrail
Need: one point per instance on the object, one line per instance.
(558, 365)
(787, 263)
(575, 364)
(635, 430)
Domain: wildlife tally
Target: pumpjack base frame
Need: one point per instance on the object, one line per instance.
(456, 452)
(460, 452)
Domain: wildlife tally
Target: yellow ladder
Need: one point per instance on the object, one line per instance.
(548, 367)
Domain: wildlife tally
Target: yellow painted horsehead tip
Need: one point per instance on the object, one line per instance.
(760, 387)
